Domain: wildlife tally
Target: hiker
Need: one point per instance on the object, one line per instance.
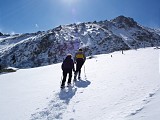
(67, 67)
(79, 60)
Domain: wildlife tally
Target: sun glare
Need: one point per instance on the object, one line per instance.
(70, 1)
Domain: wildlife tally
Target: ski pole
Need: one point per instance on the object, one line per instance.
(85, 72)
(61, 81)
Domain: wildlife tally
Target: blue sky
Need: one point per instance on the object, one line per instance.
(23, 16)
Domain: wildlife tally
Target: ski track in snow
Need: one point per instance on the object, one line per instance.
(60, 101)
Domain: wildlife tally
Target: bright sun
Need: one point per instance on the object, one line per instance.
(69, 1)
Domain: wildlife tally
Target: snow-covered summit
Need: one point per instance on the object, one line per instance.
(48, 47)
(124, 22)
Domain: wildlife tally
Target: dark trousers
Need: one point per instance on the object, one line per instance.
(65, 72)
(79, 65)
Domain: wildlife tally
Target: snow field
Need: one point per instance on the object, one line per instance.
(121, 87)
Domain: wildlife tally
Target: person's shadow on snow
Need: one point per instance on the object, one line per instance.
(82, 83)
(67, 94)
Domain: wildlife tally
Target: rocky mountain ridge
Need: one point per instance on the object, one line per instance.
(48, 47)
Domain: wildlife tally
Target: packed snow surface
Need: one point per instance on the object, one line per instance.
(113, 86)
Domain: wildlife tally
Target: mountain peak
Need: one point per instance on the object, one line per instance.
(122, 21)
(1, 34)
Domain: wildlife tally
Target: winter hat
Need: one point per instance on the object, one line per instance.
(69, 56)
(80, 49)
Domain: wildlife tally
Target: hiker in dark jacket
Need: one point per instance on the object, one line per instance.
(67, 67)
(79, 59)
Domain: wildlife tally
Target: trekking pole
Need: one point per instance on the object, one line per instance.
(61, 81)
(85, 73)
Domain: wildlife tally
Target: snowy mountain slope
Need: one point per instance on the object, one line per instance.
(153, 30)
(122, 87)
(158, 31)
(135, 35)
(48, 47)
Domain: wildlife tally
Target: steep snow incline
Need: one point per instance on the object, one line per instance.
(121, 87)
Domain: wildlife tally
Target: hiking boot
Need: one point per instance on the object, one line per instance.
(69, 84)
(75, 76)
(62, 86)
